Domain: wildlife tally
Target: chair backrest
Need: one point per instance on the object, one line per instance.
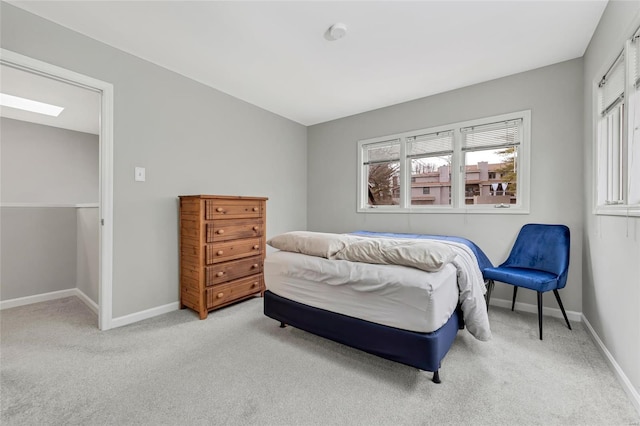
(544, 248)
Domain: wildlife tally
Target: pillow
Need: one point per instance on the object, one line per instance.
(311, 243)
(428, 256)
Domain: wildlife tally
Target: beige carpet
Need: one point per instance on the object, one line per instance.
(238, 367)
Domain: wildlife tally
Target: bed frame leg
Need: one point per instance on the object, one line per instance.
(282, 325)
(460, 318)
(436, 377)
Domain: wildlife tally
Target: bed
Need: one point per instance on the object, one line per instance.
(402, 297)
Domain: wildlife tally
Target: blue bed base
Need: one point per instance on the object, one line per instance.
(421, 350)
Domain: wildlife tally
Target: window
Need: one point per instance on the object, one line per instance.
(617, 148)
(493, 147)
(429, 161)
(382, 168)
(474, 166)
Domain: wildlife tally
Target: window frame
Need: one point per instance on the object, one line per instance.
(600, 166)
(457, 171)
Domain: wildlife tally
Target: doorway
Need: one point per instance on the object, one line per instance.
(15, 61)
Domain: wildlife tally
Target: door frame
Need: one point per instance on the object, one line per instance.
(105, 140)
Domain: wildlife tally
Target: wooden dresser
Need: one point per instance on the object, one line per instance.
(222, 249)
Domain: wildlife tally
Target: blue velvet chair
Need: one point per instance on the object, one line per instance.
(539, 260)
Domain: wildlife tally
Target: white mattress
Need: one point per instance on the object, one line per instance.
(392, 295)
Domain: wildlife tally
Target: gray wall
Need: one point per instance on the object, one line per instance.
(212, 144)
(554, 96)
(38, 247)
(611, 256)
(43, 164)
(41, 247)
(88, 252)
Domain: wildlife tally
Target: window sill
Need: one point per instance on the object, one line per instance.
(618, 210)
(444, 210)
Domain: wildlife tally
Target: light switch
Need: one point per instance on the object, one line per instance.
(140, 174)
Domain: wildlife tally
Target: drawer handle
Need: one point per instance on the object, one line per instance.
(220, 253)
(255, 228)
(255, 209)
(219, 274)
(219, 209)
(254, 266)
(220, 295)
(254, 285)
(220, 231)
(256, 247)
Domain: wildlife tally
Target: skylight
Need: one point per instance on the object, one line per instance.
(29, 105)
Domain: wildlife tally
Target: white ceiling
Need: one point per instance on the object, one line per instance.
(81, 106)
(274, 54)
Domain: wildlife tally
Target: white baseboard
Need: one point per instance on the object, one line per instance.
(622, 378)
(28, 300)
(87, 301)
(50, 205)
(143, 315)
(61, 294)
(115, 322)
(526, 307)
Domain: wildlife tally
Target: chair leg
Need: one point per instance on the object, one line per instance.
(540, 313)
(564, 314)
(513, 302)
(436, 377)
(490, 286)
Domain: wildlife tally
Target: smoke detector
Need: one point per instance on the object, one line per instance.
(336, 31)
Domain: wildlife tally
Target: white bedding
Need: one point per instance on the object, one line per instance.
(392, 295)
(428, 255)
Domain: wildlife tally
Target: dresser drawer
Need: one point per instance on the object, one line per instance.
(232, 209)
(228, 292)
(226, 271)
(222, 252)
(224, 230)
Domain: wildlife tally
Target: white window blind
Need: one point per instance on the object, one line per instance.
(382, 152)
(431, 144)
(612, 87)
(492, 136)
(634, 57)
(633, 180)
